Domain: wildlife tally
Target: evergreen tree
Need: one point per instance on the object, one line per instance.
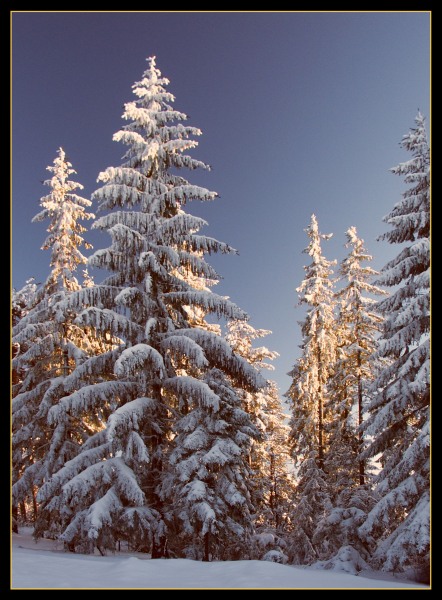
(154, 301)
(65, 210)
(312, 371)
(400, 410)
(358, 327)
(309, 394)
(48, 344)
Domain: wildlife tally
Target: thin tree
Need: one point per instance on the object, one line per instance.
(309, 394)
(312, 371)
(48, 343)
(358, 327)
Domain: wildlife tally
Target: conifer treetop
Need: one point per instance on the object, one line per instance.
(64, 209)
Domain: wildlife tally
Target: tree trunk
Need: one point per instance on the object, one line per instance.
(207, 547)
(320, 433)
(272, 488)
(65, 353)
(34, 504)
(320, 418)
(23, 512)
(15, 519)
(360, 436)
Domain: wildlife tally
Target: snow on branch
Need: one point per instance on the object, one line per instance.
(108, 320)
(208, 301)
(185, 193)
(220, 354)
(207, 516)
(126, 482)
(198, 266)
(193, 390)
(112, 471)
(30, 396)
(96, 296)
(33, 330)
(101, 513)
(181, 224)
(185, 347)
(207, 245)
(25, 485)
(100, 365)
(139, 221)
(223, 451)
(401, 496)
(91, 396)
(127, 417)
(39, 349)
(86, 458)
(135, 358)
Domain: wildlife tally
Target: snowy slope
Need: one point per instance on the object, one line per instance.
(37, 566)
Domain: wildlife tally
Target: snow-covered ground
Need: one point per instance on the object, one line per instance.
(43, 565)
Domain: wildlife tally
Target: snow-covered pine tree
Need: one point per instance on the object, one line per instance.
(48, 343)
(22, 301)
(65, 210)
(154, 301)
(269, 457)
(399, 420)
(358, 326)
(309, 395)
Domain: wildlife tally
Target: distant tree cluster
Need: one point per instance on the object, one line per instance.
(360, 396)
(139, 422)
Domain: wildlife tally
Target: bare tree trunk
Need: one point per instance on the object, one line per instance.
(207, 547)
(320, 432)
(34, 504)
(360, 435)
(23, 511)
(320, 418)
(15, 519)
(65, 366)
(272, 487)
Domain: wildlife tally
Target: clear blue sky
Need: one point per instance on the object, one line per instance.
(300, 113)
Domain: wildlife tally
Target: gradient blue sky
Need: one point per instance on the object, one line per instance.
(300, 113)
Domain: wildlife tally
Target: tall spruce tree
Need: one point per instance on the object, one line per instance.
(358, 326)
(399, 420)
(309, 395)
(170, 366)
(48, 344)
